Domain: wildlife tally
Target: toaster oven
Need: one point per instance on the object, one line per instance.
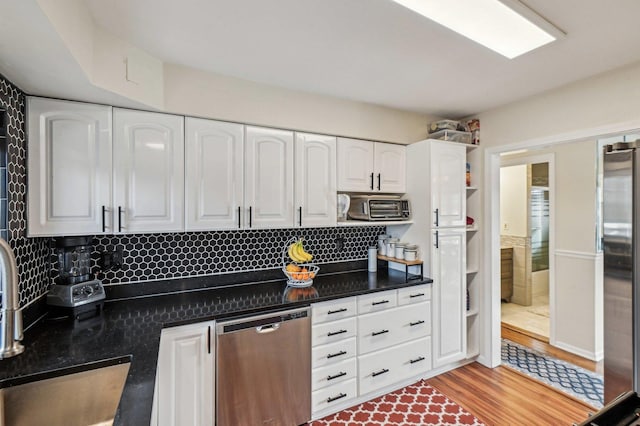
(373, 208)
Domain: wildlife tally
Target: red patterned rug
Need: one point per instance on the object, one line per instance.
(417, 404)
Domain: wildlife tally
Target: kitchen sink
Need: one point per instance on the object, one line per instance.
(84, 398)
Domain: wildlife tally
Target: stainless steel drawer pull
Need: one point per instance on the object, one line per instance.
(377, 373)
(377, 333)
(413, 361)
(340, 374)
(382, 302)
(335, 398)
(411, 296)
(335, 333)
(337, 354)
(411, 324)
(337, 311)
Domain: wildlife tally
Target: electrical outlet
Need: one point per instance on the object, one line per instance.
(340, 243)
(111, 259)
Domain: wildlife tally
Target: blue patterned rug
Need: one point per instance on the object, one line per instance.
(583, 384)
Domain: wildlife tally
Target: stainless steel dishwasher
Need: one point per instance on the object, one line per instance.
(263, 369)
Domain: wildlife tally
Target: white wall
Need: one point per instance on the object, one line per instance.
(513, 200)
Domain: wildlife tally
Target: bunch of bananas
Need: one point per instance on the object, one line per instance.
(297, 253)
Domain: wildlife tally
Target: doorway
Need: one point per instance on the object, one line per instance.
(525, 217)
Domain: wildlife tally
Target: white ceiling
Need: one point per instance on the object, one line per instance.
(366, 50)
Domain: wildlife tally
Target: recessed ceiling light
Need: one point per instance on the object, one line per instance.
(504, 26)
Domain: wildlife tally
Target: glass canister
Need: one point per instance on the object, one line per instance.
(391, 246)
(411, 252)
(399, 250)
(382, 244)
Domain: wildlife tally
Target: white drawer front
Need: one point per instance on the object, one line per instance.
(334, 395)
(376, 302)
(383, 368)
(333, 331)
(415, 294)
(333, 373)
(333, 310)
(415, 321)
(333, 353)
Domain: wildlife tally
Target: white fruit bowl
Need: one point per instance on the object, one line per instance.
(301, 279)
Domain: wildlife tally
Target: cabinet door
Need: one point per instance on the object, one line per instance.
(69, 165)
(449, 296)
(315, 180)
(185, 377)
(214, 179)
(268, 178)
(448, 184)
(390, 168)
(355, 165)
(148, 154)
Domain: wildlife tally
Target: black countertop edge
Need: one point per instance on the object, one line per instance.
(207, 282)
(79, 368)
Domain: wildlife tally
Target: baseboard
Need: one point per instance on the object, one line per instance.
(592, 356)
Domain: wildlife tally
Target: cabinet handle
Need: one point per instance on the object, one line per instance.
(413, 361)
(337, 311)
(382, 302)
(377, 373)
(411, 324)
(300, 211)
(340, 374)
(411, 296)
(377, 333)
(104, 224)
(335, 398)
(239, 222)
(372, 181)
(437, 242)
(120, 218)
(437, 222)
(250, 215)
(209, 339)
(335, 333)
(379, 181)
(337, 354)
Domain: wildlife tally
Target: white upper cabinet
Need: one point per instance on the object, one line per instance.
(268, 197)
(148, 157)
(448, 184)
(390, 167)
(315, 180)
(69, 165)
(214, 176)
(365, 166)
(355, 165)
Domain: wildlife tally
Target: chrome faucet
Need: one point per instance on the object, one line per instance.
(11, 327)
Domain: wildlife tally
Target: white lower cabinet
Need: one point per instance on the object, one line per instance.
(184, 392)
(333, 396)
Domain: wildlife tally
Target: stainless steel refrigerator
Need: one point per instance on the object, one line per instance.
(621, 195)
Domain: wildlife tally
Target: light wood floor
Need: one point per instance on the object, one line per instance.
(501, 396)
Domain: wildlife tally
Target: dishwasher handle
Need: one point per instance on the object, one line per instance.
(263, 329)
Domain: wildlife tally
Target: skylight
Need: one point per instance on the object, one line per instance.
(507, 27)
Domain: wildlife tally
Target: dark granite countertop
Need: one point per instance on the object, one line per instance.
(130, 327)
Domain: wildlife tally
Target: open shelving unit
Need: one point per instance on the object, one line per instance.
(474, 250)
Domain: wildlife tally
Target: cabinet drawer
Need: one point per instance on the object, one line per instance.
(378, 331)
(333, 310)
(333, 353)
(334, 395)
(376, 302)
(333, 373)
(333, 331)
(416, 294)
(415, 321)
(383, 368)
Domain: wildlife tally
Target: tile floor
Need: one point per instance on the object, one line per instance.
(534, 318)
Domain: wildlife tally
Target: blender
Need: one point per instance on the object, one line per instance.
(76, 292)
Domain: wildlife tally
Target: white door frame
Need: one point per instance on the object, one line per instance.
(490, 355)
(544, 158)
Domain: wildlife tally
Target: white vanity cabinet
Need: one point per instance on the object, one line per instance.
(185, 378)
(365, 166)
(214, 174)
(268, 196)
(148, 160)
(315, 180)
(70, 168)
